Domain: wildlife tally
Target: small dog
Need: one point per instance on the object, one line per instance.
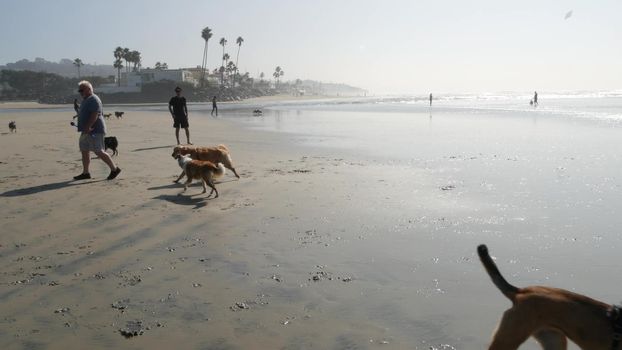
(12, 126)
(107, 115)
(202, 170)
(552, 316)
(112, 143)
(257, 112)
(119, 115)
(218, 154)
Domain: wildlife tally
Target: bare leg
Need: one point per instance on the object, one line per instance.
(106, 158)
(177, 134)
(551, 339)
(187, 136)
(86, 161)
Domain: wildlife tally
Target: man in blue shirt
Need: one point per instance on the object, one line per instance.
(92, 129)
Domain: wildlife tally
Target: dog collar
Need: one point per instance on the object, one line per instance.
(615, 315)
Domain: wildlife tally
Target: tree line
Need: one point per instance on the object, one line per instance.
(227, 68)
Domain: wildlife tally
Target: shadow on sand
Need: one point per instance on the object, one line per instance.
(196, 200)
(163, 187)
(43, 188)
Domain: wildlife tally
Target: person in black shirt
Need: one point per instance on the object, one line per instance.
(214, 107)
(179, 112)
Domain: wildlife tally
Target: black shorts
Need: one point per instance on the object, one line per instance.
(180, 120)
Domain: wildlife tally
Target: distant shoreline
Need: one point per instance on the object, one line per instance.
(273, 98)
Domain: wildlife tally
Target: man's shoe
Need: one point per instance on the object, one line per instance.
(114, 173)
(82, 176)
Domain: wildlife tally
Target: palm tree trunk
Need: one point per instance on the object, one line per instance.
(237, 70)
(203, 64)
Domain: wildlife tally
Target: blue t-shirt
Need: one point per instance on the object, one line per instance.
(89, 105)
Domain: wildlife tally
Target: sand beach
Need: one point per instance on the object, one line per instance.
(351, 227)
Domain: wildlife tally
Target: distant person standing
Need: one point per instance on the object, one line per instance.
(535, 98)
(92, 129)
(430, 99)
(214, 106)
(179, 112)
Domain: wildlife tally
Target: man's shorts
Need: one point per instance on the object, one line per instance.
(180, 120)
(91, 142)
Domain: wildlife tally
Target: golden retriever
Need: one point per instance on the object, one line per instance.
(218, 154)
(552, 316)
(202, 170)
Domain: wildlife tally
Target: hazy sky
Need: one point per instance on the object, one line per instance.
(385, 46)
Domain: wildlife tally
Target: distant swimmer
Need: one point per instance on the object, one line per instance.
(535, 98)
(430, 99)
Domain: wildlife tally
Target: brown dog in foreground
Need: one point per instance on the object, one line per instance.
(218, 154)
(552, 316)
(202, 170)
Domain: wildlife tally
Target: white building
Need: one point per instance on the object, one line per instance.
(133, 81)
(177, 75)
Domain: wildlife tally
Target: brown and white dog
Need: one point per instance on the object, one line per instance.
(202, 170)
(218, 154)
(552, 316)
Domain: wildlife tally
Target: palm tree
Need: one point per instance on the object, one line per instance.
(78, 63)
(223, 42)
(225, 58)
(278, 73)
(126, 56)
(261, 76)
(136, 59)
(118, 63)
(231, 69)
(221, 70)
(206, 34)
(238, 41)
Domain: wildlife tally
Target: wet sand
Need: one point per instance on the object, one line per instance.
(313, 248)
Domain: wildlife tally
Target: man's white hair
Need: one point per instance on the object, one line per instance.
(87, 84)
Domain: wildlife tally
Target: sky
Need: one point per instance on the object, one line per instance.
(386, 47)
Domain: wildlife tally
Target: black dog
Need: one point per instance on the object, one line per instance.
(112, 143)
(12, 126)
(119, 114)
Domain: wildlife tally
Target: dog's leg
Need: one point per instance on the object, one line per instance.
(234, 172)
(203, 181)
(180, 176)
(211, 184)
(513, 330)
(187, 183)
(551, 339)
(228, 164)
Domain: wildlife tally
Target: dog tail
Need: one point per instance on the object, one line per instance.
(220, 171)
(506, 288)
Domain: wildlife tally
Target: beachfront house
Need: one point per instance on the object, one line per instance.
(133, 81)
(177, 75)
